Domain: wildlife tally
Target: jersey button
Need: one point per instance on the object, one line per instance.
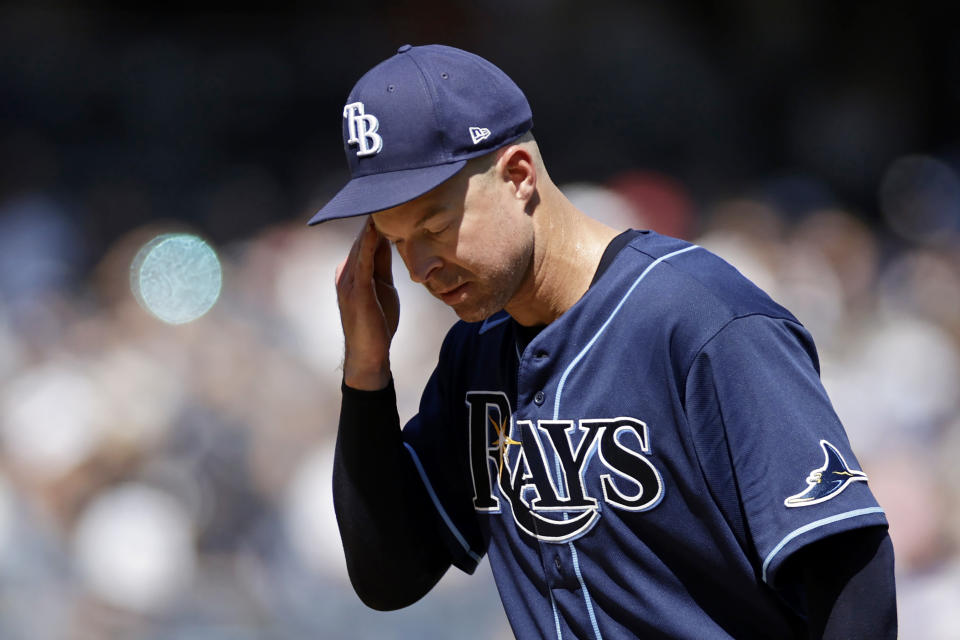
(557, 563)
(539, 397)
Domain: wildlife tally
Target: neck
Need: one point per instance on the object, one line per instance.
(568, 246)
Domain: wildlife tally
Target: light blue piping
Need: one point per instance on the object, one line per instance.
(556, 615)
(492, 322)
(436, 502)
(583, 352)
(556, 413)
(586, 594)
(810, 527)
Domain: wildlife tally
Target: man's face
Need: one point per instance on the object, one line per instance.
(468, 241)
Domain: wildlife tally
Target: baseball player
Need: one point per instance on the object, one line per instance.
(633, 433)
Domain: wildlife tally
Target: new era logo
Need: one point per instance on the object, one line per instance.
(479, 133)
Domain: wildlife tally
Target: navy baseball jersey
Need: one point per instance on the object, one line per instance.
(644, 465)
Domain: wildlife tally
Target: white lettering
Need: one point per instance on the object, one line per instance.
(362, 130)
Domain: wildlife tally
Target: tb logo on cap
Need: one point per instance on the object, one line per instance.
(362, 130)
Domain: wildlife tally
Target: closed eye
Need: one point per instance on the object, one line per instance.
(437, 231)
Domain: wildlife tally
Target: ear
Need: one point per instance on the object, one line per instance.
(516, 168)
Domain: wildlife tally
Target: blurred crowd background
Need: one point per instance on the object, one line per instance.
(173, 481)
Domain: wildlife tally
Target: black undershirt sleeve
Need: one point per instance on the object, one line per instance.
(849, 586)
(388, 527)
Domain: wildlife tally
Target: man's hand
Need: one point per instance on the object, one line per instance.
(369, 310)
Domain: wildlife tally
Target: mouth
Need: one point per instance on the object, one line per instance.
(452, 295)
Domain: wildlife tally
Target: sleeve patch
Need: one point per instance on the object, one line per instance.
(827, 481)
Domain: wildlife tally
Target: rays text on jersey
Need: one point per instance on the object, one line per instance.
(541, 469)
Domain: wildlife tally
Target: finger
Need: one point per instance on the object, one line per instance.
(349, 263)
(383, 261)
(367, 245)
(347, 271)
(340, 269)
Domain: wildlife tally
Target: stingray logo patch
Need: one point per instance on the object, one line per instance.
(828, 481)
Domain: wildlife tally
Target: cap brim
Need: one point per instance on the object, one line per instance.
(369, 194)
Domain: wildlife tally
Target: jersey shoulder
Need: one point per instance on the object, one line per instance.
(699, 276)
(679, 296)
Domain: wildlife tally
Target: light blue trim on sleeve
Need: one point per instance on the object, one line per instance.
(810, 527)
(436, 503)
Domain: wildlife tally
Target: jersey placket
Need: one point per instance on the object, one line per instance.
(558, 559)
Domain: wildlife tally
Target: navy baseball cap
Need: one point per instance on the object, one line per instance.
(414, 120)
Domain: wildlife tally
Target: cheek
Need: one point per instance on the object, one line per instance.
(494, 238)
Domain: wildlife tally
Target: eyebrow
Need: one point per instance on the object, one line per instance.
(432, 211)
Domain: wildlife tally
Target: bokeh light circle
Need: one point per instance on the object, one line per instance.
(134, 547)
(177, 277)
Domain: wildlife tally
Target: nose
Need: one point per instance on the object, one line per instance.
(420, 260)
